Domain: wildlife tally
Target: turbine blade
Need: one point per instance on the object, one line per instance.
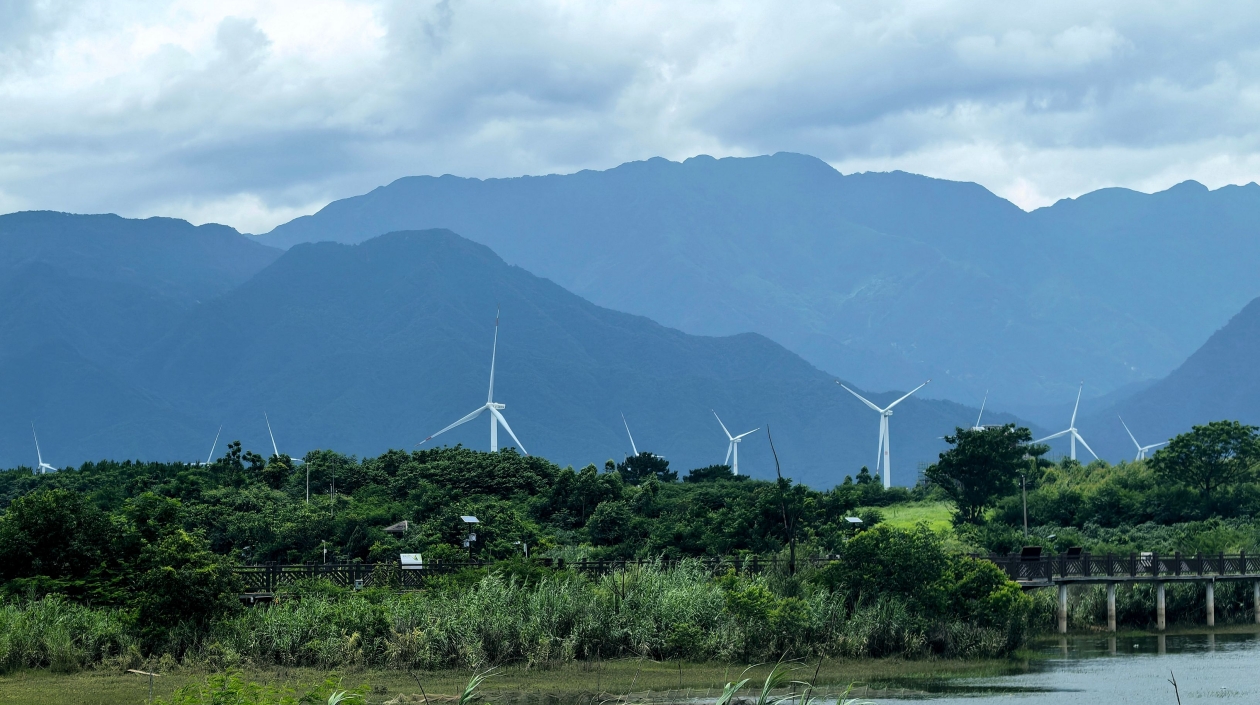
(210, 457)
(729, 448)
(859, 396)
(1082, 440)
(907, 396)
(1053, 436)
(982, 403)
(494, 350)
(728, 433)
(274, 449)
(736, 438)
(1078, 405)
(632, 446)
(1126, 429)
(508, 428)
(464, 420)
(37, 453)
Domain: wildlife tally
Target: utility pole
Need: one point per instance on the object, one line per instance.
(1023, 486)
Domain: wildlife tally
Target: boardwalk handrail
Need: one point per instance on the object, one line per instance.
(1086, 567)
(1045, 570)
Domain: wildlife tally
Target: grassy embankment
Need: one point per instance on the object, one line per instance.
(581, 682)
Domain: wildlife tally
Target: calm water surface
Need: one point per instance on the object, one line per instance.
(1085, 670)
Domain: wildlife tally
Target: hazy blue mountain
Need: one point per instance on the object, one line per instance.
(367, 347)
(81, 297)
(885, 279)
(1219, 381)
(167, 256)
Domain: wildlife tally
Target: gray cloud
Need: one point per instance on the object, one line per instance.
(251, 113)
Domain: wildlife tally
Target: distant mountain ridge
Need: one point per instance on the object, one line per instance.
(884, 278)
(1220, 381)
(367, 347)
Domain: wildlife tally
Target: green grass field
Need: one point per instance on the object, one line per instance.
(581, 682)
(907, 515)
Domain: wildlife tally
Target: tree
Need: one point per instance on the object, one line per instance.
(1209, 458)
(982, 467)
(179, 580)
(712, 473)
(637, 468)
(55, 533)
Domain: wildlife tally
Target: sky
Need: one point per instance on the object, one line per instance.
(253, 113)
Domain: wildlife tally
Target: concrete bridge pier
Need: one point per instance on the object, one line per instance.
(1211, 603)
(1256, 598)
(1063, 608)
(1111, 607)
(1159, 607)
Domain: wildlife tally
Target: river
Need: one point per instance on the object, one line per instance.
(1083, 670)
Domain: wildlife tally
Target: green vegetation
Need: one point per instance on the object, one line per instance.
(119, 563)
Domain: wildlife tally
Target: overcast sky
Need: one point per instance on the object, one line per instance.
(251, 113)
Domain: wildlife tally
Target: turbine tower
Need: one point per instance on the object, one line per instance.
(733, 448)
(43, 467)
(1071, 431)
(883, 455)
(632, 446)
(496, 417)
(1141, 449)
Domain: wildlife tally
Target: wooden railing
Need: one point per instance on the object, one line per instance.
(1135, 566)
(268, 578)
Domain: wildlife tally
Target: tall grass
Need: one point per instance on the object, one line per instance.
(678, 613)
(64, 636)
(648, 611)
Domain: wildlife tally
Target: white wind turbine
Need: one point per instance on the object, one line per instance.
(496, 417)
(733, 448)
(1141, 449)
(1071, 431)
(883, 455)
(43, 467)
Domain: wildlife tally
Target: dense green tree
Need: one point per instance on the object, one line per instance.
(179, 580)
(982, 467)
(57, 534)
(712, 473)
(636, 469)
(1210, 458)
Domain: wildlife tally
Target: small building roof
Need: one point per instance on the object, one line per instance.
(399, 528)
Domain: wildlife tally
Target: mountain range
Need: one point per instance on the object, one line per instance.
(883, 278)
(377, 345)
(749, 286)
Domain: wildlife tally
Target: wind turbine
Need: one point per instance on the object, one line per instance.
(1071, 431)
(979, 416)
(632, 447)
(1141, 449)
(883, 455)
(496, 417)
(43, 467)
(733, 448)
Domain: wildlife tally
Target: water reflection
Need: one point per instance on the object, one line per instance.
(1123, 669)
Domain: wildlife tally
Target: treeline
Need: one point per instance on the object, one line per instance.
(1199, 494)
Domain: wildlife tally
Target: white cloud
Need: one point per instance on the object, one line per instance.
(251, 112)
